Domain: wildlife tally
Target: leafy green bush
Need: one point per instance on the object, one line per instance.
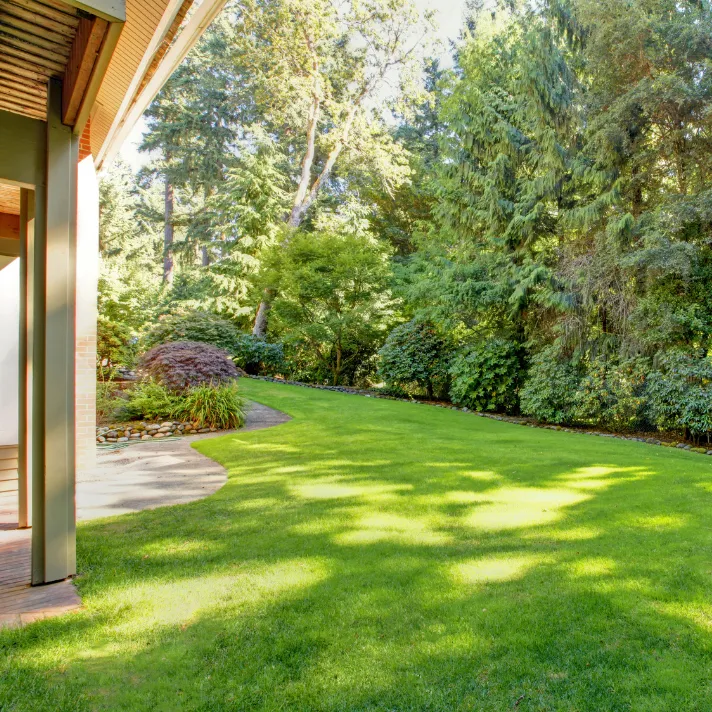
(184, 364)
(107, 402)
(205, 327)
(332, 303)
(680, 394)
(486, 376)
(612, 394)
(115, 344)
(549, 393)
(211, 406)
(414, 354)
(257, 356)
(148, 400)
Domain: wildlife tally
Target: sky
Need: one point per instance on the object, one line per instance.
(448, 14)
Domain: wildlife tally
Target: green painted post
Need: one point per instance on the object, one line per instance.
(53, 503)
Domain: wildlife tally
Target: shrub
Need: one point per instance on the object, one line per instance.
(414, 353)
(205, 327)
(183, 364)
(115, 344)
(255, 355)
(680, 394)
(485, 376)
(149, 400)
(612, 394)
(211, 406)
(549, 393)
(107, 402)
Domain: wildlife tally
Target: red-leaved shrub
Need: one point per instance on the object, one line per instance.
(183, 364)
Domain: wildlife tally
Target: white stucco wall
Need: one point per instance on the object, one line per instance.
(9, 356)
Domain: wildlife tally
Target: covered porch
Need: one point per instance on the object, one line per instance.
(74, 78)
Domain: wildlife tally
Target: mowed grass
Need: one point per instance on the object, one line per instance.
(374, 555)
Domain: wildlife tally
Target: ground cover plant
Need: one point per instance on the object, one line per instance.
(380, 555)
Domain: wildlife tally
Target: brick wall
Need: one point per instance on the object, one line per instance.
(85, 142)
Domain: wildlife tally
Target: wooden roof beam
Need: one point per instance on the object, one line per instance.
(85, 51)
(10, 228)
(109, 10)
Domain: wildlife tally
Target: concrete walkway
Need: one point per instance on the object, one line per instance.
(140, 476)
(146, 475)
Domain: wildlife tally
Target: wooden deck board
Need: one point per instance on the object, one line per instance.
(21, 603)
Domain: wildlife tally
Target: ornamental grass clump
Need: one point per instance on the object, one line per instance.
(211, 407)
(148, 400)
(185, 364)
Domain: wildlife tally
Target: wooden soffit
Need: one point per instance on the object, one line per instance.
(45, 39)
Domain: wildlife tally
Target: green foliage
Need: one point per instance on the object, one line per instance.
(486, 376)
(332, 306)
(680, 394)
(258, 356)
(207, 405)
(116, 344)
(206, 327)
(211, 406)
(414, 354)
(107, 401)
(551, 190)
(612, 394)
(549, 392)
(129, 277)
(149, 400)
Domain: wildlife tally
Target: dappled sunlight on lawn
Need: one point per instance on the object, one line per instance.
(383, 526)
(592, 566)
(325, 489)
(658, 522)
(181, 602)
(520, 507)
(573, 533)
(496, 568)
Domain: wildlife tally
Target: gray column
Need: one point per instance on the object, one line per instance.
(53, 427)
(24, 459)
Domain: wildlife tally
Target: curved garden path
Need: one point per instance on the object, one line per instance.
(157, 474)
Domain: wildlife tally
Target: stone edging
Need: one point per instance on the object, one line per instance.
(528, 422)
(148, 431)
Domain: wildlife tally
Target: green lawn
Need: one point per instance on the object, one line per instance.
(375, 555)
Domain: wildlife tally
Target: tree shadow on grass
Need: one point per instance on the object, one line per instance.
(428, 575)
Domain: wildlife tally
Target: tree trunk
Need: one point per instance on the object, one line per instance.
(259, 328)
(205, 257)
(337, 369)
(168, 235)
(303, 199)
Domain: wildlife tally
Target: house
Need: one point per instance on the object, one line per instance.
(75, 76)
